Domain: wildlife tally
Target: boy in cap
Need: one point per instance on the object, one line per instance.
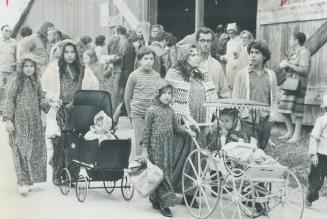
(318, 153)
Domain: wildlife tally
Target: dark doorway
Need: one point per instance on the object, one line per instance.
(244, 13)
(178, 16)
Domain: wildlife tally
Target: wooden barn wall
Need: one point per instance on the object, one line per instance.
(277, 33)
(143, 10)
(73, 17)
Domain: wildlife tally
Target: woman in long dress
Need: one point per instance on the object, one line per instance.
(191, 89)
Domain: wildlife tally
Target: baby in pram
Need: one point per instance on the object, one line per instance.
(101, 129)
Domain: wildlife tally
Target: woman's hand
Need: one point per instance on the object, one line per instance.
(283, 64)
(197, 127)
(55, 104)
(10, 128)
(314, 160)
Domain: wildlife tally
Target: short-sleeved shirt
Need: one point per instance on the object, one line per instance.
(319, 133)
(7, 54)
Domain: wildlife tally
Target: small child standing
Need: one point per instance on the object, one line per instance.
(157, 145)
(318, 153)
(22, 115)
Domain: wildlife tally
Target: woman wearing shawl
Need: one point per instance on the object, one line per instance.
(191, 89)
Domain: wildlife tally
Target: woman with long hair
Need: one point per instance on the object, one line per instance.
(60, 82)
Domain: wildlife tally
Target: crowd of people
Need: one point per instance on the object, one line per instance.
(163, 85)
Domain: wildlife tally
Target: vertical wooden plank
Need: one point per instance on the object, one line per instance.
(199, 14)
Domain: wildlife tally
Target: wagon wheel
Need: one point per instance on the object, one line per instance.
(109, 186)
(127, 189)
(82, 187)
(65, 181)
(197, 183)
(236, 197)
(285, 198)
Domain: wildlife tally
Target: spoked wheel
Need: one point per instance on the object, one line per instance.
(127, 189)
(236, 198)
(65, 181)
(199, 186)
(109, 186)
(81, 189)
(284, 198)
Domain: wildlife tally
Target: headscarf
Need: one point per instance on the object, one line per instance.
(183, 51)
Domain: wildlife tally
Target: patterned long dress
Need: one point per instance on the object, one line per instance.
(23, 108)
(158, 137)
(68, 87)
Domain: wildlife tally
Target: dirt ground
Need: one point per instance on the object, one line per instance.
(46, 202)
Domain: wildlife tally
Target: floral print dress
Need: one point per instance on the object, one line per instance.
(158, 137)
(23, 108)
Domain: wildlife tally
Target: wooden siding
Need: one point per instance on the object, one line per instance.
(143, 10)
(73, 17)
(277, 33)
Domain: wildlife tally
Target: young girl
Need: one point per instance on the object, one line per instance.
(22, 114)
(90, 81)
(157, 145)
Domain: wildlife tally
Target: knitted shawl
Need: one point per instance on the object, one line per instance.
(181, 93)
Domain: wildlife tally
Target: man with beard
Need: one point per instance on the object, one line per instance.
(204, 39)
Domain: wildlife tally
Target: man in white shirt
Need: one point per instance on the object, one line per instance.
(204, 39)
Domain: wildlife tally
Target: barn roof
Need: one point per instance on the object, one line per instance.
(22, 18)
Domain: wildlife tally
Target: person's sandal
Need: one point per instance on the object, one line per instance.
(166, 212)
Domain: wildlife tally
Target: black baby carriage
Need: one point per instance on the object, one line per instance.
(90, 161)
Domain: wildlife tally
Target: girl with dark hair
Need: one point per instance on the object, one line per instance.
(157, 145)
(22, 114)
(60, 82)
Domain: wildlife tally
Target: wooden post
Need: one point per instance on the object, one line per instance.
(199, 14)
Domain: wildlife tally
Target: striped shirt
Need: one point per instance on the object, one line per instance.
(139, 92)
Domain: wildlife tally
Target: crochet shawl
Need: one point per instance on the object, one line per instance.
(181, 93)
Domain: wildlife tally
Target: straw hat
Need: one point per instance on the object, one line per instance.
(28, 56)
(324, 101)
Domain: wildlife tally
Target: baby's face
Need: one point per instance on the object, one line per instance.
(99, 122)
(227, 122)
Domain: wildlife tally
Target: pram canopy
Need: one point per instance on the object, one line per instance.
(86, 104)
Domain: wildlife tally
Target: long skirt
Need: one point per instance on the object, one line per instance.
(292, 102)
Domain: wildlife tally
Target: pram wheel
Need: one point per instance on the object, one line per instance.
(109, 186)
(198, 183)
(65, 181)
(127, 189)
(236, 197)
(81, 188)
